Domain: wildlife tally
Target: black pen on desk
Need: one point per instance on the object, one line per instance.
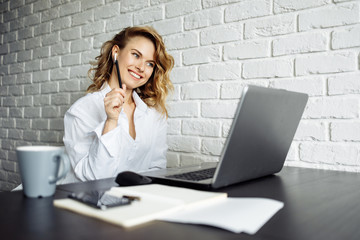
(117, 70)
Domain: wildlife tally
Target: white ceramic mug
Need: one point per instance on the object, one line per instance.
(39, 169)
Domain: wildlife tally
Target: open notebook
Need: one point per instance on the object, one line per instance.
(155, 201)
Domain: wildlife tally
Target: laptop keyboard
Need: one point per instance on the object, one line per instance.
(196, 175)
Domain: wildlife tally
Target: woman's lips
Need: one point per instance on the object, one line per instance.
(135, 75)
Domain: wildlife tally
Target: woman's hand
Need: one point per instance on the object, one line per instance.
(113, 102)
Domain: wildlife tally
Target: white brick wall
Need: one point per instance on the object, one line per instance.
(309, 46)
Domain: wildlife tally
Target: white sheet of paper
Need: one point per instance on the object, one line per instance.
(233, 214)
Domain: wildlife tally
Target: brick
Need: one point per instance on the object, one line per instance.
(107, 11)
(172, 160)
(168, 26)
(330, 153)
(148, 15)
(16, 90)
(345, 131)
(41, 100)
(183, 74)
(25, 33)
(24, 101)
(183, 144)
(17, 68)
(32, 43)
(78, 71)
(220, 34)
(32, 112)
(183, 109)
(41, 5)
(31, 20)
(50, 14)
(70, 34)
(229, 71)
(71, 85)
(248, 9)
(309, 130)
(9, 80)
(40, 124)
(16, 112)
(247, 50)
(9, 36)
(212, 146)
(60, 99)
(82, 18)
(173, 127)
(206, 128)
(118, 23)
(31, 135)
(32, 89)
(344, 84)
(272, 26)
(302, 43)
(199, 91)
(24, 56)
(57, 124)
(325, 63)
(51, 87)
(335, 15)
(181, 41)
(233, 89)
(18, 24)
(180, 8)
(86, 57)
(69, 8)
(332, 107)
(59, 74)
(61, 48)
(23, 123)
(93, 29)
(201, 55)
(268, 68)
(17, 46)
(60, 23)
(50, 112)
(70, 60)
(218, 109)
(41, 76)
(9, 58)
(50, 39)
(346, 38)
(24, 10)
(33, 65)
(51, 63)
(8, 102)
(281, 6)
(87, 4)
(41, 52)
(313, 86)
(204, 18)
(212, 3)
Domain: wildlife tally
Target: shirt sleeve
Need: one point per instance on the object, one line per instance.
(91, 154)
(160, 146)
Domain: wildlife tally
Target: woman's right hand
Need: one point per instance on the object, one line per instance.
(113, 101)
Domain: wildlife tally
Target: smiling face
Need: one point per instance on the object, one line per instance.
(136, 62)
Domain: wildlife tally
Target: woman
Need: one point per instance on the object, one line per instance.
(114, 129)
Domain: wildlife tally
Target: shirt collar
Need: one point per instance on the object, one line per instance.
(140, 104)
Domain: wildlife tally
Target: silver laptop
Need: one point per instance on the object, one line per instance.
(259, 139)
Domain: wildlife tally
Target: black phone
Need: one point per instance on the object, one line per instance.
(100, 199)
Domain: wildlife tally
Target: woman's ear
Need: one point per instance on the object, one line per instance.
(115, 52)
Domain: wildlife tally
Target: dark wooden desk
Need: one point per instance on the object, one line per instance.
(318, 205)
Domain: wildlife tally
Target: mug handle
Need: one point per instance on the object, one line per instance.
(65, 170)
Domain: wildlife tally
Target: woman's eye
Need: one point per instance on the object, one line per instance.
(150, 65)
(136, 55)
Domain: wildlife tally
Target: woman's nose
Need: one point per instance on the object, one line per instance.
(140, 66)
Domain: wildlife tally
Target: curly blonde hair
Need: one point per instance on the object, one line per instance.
(155, 91)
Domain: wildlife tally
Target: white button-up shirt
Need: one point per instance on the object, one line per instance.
(95, 156)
